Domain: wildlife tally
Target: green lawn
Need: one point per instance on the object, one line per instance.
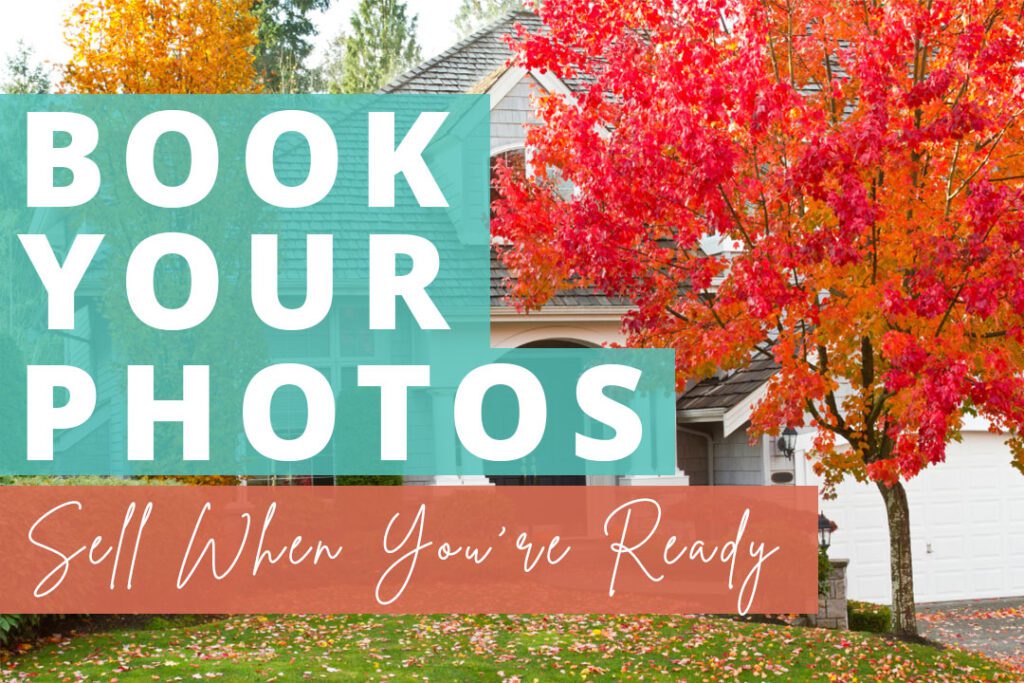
(527, 648)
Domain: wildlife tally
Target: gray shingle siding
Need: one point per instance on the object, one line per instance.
(509, 116)
(692, 458)
(737, 463)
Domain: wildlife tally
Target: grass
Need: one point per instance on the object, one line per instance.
(445, 648)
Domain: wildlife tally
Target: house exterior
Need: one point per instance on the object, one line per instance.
(712, 447)
(967, 515)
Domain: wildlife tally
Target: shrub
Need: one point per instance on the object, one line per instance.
(13, 625)
(369, 480)
(869, 617)
(824, 571)
(82, 480)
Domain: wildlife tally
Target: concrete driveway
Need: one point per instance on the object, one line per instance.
(992, 627)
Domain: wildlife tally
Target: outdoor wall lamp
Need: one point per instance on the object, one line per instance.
(787, 443)
(825, 528)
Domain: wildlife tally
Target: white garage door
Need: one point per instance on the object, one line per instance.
(967, 522)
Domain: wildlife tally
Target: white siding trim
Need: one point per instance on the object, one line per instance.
(580, 334)
(512, 147)
(766, 460)
(514, 74)
(553, 84)
(700, 415)
(739, 415)
(505, 83)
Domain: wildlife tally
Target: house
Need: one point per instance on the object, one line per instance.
(967, 514)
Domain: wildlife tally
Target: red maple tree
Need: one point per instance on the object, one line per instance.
(864, 162)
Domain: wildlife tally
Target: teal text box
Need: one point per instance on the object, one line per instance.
(235, 344)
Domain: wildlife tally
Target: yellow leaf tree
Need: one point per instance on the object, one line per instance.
(161, 47)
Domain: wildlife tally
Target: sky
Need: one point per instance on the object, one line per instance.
(42, 27)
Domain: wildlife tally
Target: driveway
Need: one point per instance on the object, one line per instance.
(992, 627)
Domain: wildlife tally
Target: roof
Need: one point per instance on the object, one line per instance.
(461, 67)
(582, 296)
(728, 390)
(473, 65)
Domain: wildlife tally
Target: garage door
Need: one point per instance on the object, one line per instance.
(967, 521)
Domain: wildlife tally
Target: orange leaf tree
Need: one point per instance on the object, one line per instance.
(864, 157)
(161, 47)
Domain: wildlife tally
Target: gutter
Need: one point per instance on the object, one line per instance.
(701, 415)
(711, 451)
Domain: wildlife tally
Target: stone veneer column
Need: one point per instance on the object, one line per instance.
(832, 605)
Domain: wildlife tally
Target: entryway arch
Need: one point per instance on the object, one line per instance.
(544, 479)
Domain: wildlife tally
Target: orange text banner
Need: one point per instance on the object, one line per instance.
(604, 549)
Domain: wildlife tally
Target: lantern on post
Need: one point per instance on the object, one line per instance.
(825, 528)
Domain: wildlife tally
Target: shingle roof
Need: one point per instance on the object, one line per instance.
(462, 66)
(470, 66)
(728, 390)
(583, 296)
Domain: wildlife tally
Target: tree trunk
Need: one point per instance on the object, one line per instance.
(901, 566)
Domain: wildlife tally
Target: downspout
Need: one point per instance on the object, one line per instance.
(711, 450)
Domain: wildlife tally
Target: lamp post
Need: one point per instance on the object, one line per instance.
(787, 442)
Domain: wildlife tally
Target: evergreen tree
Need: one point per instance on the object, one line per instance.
(475, 14)
(284, 33)
(382, 45)
(329, 73)
(23, 75)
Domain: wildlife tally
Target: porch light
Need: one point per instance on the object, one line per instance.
(825, 528)
(787, 442)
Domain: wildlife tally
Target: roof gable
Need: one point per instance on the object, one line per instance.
(460, 68)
